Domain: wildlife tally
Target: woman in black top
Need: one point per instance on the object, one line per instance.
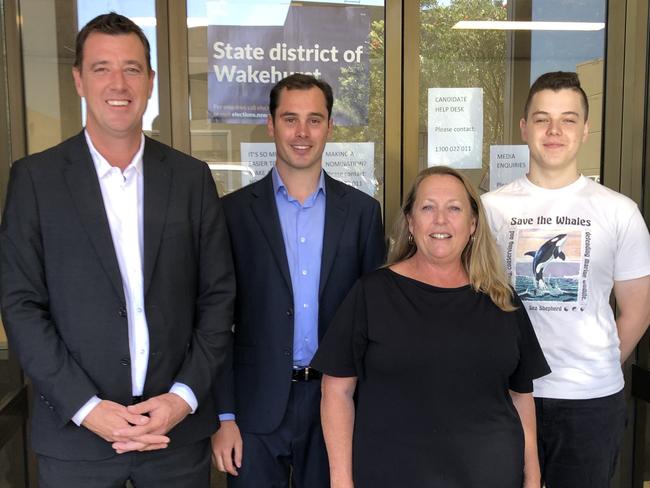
(440, 353)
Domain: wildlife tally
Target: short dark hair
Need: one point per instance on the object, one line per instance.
(112, 24)
(299, 81)
(556, 81)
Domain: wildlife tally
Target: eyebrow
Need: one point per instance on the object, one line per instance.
(98, 63)
(451, 200)
(134, 62)
(129, 62)
(294, 114)
(568, 112)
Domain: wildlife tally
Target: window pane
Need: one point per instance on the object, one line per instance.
(239, 49)
(143, 13)
(476, 69)
(54, 111)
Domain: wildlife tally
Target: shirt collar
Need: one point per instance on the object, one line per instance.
(103, 167)
(278, 184)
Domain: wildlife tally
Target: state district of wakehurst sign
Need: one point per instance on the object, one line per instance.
(246, 61)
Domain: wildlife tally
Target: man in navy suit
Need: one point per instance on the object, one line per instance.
(117, 285)
(300, 240)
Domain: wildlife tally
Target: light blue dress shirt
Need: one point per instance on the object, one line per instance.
(303, 226)
(302, 229)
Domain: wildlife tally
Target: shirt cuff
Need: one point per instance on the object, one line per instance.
(186, 393)
(226, 416)
(83, 412)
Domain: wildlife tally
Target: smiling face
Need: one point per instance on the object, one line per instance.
(300, 129)
(554, 130)
(116, 84)
(441, 219)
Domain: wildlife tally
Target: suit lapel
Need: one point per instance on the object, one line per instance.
(266, 212)
(335, 213)
(83, 185)
(157, 184)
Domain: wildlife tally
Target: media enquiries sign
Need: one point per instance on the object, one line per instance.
(507, 163)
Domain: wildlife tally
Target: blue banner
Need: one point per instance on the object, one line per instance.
(245, 62)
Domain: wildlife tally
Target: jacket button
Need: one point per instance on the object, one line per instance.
(289, 312)
(122, 312)
(125, 362)
(287, 352)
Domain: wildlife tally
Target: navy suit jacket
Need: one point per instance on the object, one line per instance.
(257, 387)
(63, 302)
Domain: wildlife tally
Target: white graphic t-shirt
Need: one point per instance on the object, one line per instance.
(563, 249)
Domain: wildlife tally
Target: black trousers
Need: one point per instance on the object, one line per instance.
(579, 440)
(295, 450)
(186, 466)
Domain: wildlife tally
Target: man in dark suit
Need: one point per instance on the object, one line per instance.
(300, 240)
(117, 285)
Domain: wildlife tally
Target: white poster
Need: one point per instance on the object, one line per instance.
(258, 156)
(507, 163)
(455, 127)
(350, 162)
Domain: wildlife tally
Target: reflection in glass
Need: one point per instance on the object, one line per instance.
(143, 13)
(239, 49)
(452, 58)
(582, 52)
(52, 109)
(502, 63)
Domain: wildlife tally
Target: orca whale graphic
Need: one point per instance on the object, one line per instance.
(549, 251)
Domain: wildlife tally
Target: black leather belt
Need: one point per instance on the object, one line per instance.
(305, 374)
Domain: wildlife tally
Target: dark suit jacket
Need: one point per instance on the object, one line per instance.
(63, 302)
(257, 388)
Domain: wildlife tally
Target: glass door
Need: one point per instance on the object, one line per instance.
(53, 109)
(475, 62)
(13, 392)
(238, 49)
(641, 369)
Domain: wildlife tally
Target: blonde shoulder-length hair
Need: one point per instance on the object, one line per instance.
(480, 257)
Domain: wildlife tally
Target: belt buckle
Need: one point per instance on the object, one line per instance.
(302, 374)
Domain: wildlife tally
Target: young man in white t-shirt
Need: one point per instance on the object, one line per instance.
(567, 242)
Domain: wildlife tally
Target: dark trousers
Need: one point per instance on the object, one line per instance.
(579, 440)
(186, 466)
(295, 450)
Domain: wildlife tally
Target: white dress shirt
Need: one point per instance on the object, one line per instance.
(122, 193)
